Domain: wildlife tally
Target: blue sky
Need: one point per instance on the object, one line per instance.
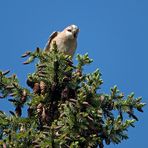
(113, 32)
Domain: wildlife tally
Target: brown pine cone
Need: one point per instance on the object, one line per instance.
(36, 88)
(42, 87)
(40, 108)
(24, 96)
(18, 111)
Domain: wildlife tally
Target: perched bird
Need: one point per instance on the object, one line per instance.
(66, 40)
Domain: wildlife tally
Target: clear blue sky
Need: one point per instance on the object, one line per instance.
(113, 32)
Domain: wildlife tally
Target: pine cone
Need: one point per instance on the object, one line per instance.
(42, 87)
(18, 111)
(40, 108)
(24, 96)
(43, 114)
(36, 88)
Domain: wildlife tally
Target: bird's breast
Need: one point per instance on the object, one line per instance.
(67, 46)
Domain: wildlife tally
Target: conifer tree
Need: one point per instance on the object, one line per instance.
(66, 108)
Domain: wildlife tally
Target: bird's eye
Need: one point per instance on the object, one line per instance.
(69, 30)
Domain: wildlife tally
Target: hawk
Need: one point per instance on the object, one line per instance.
(66, 40)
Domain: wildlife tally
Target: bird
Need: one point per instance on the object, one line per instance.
(65, 40)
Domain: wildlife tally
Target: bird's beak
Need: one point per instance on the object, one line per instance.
(76, 33)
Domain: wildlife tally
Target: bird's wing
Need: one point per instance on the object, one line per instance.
(51, 37)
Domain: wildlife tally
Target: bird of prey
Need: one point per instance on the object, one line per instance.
(66, 40)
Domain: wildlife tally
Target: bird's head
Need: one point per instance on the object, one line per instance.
(72, 31)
